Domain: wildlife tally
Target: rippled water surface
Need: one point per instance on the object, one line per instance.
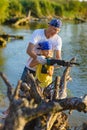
(13, 58)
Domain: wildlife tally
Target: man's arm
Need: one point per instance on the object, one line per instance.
(33, 63)
(32, 54)
(58, 54)
(30, 51)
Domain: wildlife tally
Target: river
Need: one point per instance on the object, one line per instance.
(13, 58)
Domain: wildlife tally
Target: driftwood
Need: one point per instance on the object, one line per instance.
(2, 42)
(5, 37)
(23, 21)
(31, 110)
(18, 21)
(79, 20)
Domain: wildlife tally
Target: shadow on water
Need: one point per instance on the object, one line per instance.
(13, 59)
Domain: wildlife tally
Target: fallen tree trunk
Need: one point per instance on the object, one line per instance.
(31, 111)
(7, 36)
(23, 21)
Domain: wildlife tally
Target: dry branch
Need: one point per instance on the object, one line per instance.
(64, 80)
(8, 84)
(56, 88)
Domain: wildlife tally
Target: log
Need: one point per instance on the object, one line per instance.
(7, 36)
(23, 21)
(30, 111)
(79, 20)
(2, 42)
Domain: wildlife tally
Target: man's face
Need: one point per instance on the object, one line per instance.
(53, 30)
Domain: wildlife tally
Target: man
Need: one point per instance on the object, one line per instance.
(49, 34)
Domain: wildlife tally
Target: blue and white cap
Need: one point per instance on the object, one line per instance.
(56, 23)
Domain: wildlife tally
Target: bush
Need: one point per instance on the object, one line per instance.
(4, 4)
(58, 9)
(46, 7)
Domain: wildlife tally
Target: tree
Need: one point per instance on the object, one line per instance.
(15, 8)
(4, 12)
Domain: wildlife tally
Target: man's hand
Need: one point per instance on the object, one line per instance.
(41, 60)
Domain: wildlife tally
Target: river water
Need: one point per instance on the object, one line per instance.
(13, 58)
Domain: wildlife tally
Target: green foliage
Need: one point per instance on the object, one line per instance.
(33, 6)
(42, 8)
(3, 10)
(67, 8)
(73, 6)
(15, 8)
(46, 8)
(38, 8)
(25, 6)
(83, 9)
(58, 9)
